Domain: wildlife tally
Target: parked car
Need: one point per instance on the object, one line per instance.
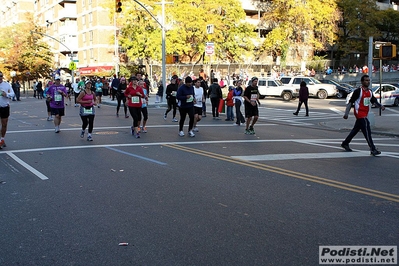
(390, 94)
(273, 87)
(343, 88)
(316, 88)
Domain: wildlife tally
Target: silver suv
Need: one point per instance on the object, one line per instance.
(316, 88)
(273, 87)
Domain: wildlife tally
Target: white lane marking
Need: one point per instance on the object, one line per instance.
(300, 156)
(335, 110)
(137, 156)
(27, 166)
(128, 127)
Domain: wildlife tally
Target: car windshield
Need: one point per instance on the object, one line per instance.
(315, 81)
(375, 88)
(279, 82)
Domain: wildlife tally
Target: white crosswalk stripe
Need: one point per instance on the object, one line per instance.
(286, 116)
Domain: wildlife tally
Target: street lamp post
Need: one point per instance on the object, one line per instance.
(162, 24)
(40, 33)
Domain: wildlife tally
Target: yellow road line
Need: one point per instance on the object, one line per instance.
(307, 177)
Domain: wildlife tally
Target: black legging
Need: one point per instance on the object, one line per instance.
(215, 107)
(135, 112)
(171, 104)
(87, 120)
(121, 98)
(183, 112)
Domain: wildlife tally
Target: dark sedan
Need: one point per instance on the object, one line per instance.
(343, 88)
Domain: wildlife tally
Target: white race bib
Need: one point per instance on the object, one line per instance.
(135, 99)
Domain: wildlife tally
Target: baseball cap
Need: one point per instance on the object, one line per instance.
(174, 77)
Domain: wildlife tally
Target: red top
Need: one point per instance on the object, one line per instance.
(229, 98)
(362, 109)
(133, 99)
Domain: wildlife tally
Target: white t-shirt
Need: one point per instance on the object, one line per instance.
(199, 92)
(6, 87)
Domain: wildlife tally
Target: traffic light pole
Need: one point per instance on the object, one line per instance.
(40, 33)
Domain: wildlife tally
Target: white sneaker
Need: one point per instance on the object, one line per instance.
(195, 129)
(191, 133)
(181, 134)
(57, 129)
(174, 119)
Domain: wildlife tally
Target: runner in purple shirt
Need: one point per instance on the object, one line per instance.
(56, 94)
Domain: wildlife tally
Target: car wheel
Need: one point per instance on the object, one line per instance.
(287, 96)
(340, 95)
(322, 94)
(396, 102)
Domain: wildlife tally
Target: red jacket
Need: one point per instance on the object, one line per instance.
(229, 98)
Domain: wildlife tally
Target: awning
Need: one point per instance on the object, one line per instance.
(94, 70)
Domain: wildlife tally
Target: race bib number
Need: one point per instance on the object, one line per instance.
(135, 99)
(174, 93)
(58, 97)
(88, 111)
(189, 100)
(254, 97)
(198, 99)
(366, 101)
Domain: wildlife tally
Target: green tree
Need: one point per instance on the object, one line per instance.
(359, 20)
(388, 25)
(186, 34)
(23, 52)
(294, 24)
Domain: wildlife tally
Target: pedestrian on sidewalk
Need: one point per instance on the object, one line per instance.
(238, 100)
(230, 104)
(361, 99)
(6, 94)
(303, 98)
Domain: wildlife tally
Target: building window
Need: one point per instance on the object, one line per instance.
(91, 35)
(90, 17)
(91, 53)
(84, 37)
(84, 19)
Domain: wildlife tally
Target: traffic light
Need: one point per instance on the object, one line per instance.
(387, 51)
(118, 6)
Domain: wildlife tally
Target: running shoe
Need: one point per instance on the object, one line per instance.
(82, 133)
(132, 131)
(144, 129)
(375, 152)
(247, 132)
(181, 134)
(137, 135)
(174, 119)
(191, 134)
(89, 138)
(346, 147)
(251, 130)
(195, 129)
(164, 117)
(57, 129)
(2, 144)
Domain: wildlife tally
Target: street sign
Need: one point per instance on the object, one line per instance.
(209, 48)
(209, 28)
(72, 66)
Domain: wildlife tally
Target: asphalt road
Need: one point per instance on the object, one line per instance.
(221, 198)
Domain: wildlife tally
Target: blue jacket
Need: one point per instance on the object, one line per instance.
(181, 96)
